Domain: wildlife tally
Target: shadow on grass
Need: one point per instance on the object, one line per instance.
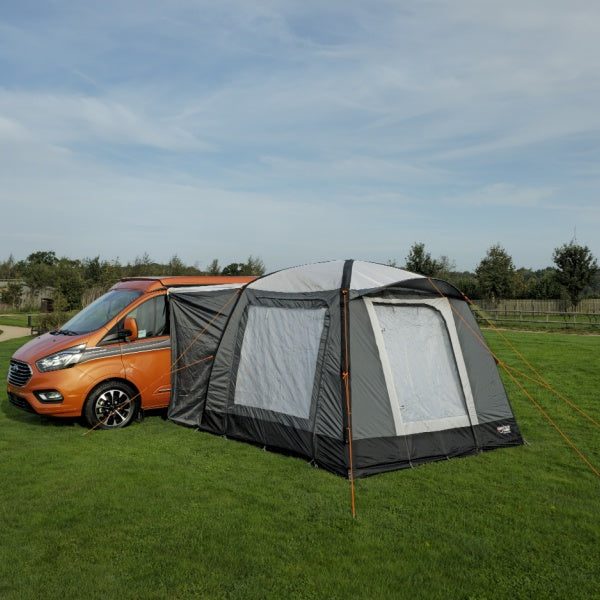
(22, 416)
(152, 414)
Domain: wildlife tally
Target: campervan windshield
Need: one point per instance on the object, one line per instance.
(99, 312)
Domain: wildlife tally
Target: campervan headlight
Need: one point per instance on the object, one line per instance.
(61, 360)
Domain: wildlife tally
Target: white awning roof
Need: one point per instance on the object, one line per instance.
(324, 276)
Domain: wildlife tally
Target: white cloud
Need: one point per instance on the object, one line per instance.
(75, 119)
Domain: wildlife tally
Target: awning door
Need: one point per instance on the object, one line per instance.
(423, 364)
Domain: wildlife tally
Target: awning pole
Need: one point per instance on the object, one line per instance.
(345, 376)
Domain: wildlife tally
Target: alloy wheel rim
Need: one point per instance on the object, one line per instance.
(113, 408)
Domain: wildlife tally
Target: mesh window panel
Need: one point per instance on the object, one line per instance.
(278, 359)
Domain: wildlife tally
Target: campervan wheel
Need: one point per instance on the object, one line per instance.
(111, 405)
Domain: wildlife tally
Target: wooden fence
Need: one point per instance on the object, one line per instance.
(543, 313)
(589, 306)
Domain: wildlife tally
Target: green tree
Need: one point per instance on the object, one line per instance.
(142, 266)
(521, 282)
(233, 269)
(595, 286)
(37, 270)
(176, 266)
(92, 271)
(11, 294)
(42, 257)
(576, 267)
(466, 282)
(496, 275)
(7, 268)
(445, 268)
(38, 276)
(419, 261)
(100, 274)
(214, 268)
(253, 266)
(69, 284)
(542, 285)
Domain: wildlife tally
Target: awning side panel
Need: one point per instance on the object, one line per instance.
(198, 319)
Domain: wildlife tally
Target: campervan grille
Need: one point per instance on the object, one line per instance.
(19, 373)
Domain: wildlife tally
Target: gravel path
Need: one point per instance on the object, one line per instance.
(11, 331)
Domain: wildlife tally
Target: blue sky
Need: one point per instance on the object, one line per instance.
(299, 131)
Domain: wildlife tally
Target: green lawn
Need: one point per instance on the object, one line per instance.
(160, 511)
(543, 324)
(16, 319)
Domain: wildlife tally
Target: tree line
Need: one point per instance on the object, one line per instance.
(575, 275)
(76, 282)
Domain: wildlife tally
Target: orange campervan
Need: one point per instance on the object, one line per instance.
(109, 360)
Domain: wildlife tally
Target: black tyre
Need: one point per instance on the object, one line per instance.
(111, 405)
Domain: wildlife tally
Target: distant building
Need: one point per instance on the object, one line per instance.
(42, 299)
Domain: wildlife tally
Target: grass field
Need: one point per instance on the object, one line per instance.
(546, 323)
(17, 319)
(160, 511)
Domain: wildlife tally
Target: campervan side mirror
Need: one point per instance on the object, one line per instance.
(131, 329)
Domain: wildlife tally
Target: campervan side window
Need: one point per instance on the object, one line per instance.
(151, 317)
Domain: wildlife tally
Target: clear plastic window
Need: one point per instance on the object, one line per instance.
(279, 359)
(421, 361)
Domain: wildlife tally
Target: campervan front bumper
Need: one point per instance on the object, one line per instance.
(45, 393)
